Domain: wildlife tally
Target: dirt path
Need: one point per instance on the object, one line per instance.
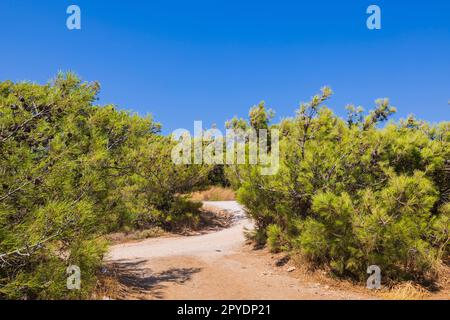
(217, 265)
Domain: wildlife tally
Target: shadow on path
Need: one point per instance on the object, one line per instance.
(141, 283)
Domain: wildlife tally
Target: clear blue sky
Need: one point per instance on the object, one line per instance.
(209, 60)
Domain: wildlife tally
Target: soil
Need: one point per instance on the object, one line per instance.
(219, 264)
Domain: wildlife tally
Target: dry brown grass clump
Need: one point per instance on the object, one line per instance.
(214, 194)
(108, 287)
(134, 235)
(406, 291)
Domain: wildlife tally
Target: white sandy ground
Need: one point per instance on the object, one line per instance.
(216, 265)
(205, 246)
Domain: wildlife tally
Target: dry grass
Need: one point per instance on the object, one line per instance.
(214, 194)
(444, 274)
(406, 291)
(112, 284)
(108, 288)
(135, 235)
(439, 290)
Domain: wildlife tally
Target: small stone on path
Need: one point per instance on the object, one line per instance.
(290, 269)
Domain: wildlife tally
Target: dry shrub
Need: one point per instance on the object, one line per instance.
(108, 288)
(214, 194)
(406, 291)
(443, 283)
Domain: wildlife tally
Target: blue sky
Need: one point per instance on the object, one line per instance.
(210, 60)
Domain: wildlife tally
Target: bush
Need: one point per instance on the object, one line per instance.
(350, 193)
(71, 172)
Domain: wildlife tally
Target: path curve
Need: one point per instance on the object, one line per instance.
(216, 265)
(205, 245)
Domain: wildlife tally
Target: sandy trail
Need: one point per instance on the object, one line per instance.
(217, 265)
(216, 243)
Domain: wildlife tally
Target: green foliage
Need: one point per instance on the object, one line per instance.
(276, 238)
(259, 117)
(217, 177)
(350, 193)
(71, 171)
